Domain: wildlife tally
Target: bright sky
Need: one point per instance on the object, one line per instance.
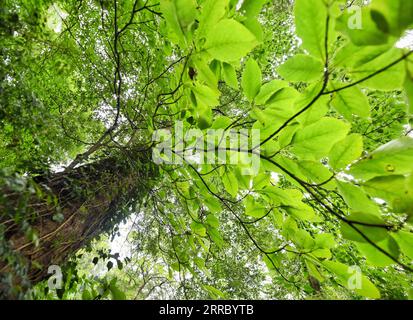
(407, 41)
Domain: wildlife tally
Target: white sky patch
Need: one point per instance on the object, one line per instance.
(120, 243)
(55, 17)
(275, 178)
(406, 41)
(239, 4)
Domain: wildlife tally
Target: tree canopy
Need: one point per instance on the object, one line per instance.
(206, 149)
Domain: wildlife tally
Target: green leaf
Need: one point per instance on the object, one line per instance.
(255, 27)
(282, 98)
(346, 151)
(325, 240)
(230, 75)
(351, 102)
(214, 292)
(310, 22)
(253, 208)
(268, 90)
(205, 75)
(261, 181)
(213, 204)
(216, 236)
(86, 295)
(405, 241)
(211, 13)
(198, 228)
(317, 139)
(344, 276)
(377, 258)
(389, 79)
(287, 135)
(301, 68)
(361, 28)
(303, 239)
(408, 88)
(291, 202)
(221, 123)
(351, 56)
(117, 294)
(229, 41)
(318, 106)
(179, 15)
(313, 172)
(206, 96)
(251, 79)
(395, 15)
(387, 188)
(393, 158)
(272, 260)
(313, 271)
(393, 189)
(212, 221)
(372, 227)
(230, 183)
(356, 199)
(251, 8)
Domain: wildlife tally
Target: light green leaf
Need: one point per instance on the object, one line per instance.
(179, 15)
(389, 79)
(301, 68)
(346, 151)
(392, 16)
(251, 79)
(214, 292)
(212, 221)
(216, 236)
(253, 208)
(206, 96)
(213, 204)
(393, 189)
(364, 225)
(230, 75)
(408, 88)
(405, 241)
(351, 102)
(310, 22)
(317, 139)
(346, 277)
(261, 181)
(198, 228)
(255, 27)
(252, 8)
(360, 28)
(356, 199)
(291, 202)
(377, 258)
(117, 294)
(230, 183)
(313, 172)
(303, 239)
(229, 41)
(325, 240)
(268, 90)
(393, 158)
(212, 11)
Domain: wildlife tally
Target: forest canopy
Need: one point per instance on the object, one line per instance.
(206, 149)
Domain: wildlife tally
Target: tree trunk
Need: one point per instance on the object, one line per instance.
(45, 225)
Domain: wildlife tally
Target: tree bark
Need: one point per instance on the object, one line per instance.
(89, 200)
